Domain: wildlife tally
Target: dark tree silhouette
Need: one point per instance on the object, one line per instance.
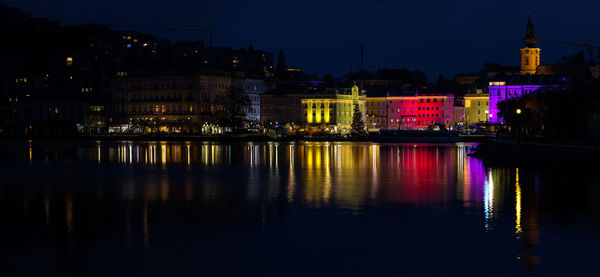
(230, 106)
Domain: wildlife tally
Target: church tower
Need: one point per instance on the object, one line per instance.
(530, 54)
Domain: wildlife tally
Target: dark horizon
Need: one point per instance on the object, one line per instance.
(325, 36)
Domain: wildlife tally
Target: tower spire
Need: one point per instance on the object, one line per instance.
(530, 40)
(530, 54)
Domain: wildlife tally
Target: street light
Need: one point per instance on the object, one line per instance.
(518, 111)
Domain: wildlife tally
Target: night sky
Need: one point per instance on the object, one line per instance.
(320, 36)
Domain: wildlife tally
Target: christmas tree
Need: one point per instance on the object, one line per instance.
(358, 125)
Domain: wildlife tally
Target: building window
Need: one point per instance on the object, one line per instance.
(69, 61)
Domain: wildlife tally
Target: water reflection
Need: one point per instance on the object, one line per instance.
(349, 175)
(488, 208)
(150, 191)
(518, 228)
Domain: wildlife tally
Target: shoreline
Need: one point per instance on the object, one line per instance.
(259, 138)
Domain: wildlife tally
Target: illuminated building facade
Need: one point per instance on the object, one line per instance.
(458, 118)
(171, 102)
(477, 107)
(520, 85)
(376, 112)
(420, 111)
(253, 88)
(532, 80)
(333, 108)
(281, 107)
(409, 111)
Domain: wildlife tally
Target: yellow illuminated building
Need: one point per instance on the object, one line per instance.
(530, 54)
(376, 113)
(477, 108)
(333, 109)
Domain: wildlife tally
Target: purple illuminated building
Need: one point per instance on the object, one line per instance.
(533, 79)
(520, 85)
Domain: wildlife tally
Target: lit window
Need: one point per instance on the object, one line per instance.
(69, 61)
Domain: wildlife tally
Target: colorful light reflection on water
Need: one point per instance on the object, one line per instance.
(403, 200)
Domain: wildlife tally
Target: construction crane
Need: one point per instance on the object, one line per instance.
(208, 31)
(582, 45)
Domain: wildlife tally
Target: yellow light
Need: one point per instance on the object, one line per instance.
(518, 111)
(518, 228)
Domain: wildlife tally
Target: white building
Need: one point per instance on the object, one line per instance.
(253, 88)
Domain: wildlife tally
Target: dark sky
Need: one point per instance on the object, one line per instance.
(436, 36)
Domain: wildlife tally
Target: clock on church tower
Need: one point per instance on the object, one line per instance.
(530, 54)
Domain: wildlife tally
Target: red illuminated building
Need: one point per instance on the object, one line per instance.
(410, 111)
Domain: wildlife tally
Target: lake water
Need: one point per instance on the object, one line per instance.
(291, 209)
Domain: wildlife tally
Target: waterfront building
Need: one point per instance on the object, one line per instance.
(532, 80)
(458, 118)
(253, 88)
(419, 111)
(172, 101)
(281, 107)
(376, 111)
(409, 110)
(333, 108)
(476, 108)
(520, 85)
